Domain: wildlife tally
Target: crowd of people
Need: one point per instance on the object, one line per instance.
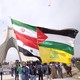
(33, 70)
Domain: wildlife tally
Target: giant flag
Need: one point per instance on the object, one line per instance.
(47, 44)
(26, 36)
(59, 46)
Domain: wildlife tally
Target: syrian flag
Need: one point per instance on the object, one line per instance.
(26, 36)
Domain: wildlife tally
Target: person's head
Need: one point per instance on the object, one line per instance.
(24, 64)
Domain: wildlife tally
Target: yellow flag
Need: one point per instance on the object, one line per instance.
(54, 55)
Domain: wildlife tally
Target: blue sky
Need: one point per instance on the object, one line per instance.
(54, 14)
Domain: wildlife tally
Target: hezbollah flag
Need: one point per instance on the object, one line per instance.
(59, 46)
(26, 36)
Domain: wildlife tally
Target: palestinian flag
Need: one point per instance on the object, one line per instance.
(26, 36)
(59, 46)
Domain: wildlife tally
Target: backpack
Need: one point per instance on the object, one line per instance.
(48, 71)
(40, 70)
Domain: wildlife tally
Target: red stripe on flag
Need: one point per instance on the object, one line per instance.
(27, 40)
(41, 37)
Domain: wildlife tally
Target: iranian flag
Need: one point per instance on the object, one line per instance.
(26, 36)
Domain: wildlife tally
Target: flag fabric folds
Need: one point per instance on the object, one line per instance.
(59, 46)
(26, 36)
(47, 44)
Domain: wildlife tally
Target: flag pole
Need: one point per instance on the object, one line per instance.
(19, 56)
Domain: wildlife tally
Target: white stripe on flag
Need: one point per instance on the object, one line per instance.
(25, 31)
(61, 39)
(34, 51)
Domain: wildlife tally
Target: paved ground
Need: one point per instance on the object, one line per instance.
(75, 72)
(8, 77)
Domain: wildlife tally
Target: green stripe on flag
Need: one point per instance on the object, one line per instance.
(23, 24)
(57, 45)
